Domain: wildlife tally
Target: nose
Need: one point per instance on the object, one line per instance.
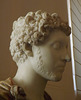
(67, 58)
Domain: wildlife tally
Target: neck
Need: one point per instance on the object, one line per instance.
(32, 83)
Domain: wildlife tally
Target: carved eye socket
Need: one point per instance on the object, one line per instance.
(57, 45)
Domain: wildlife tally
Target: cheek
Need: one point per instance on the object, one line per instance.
(56, 54)
(49, 61)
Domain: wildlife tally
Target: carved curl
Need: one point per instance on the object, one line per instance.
(33, 29)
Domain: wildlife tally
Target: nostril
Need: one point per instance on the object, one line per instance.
(68, 60)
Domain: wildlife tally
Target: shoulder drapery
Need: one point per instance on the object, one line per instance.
(11, 91)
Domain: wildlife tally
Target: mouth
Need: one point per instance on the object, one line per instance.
(61, 67)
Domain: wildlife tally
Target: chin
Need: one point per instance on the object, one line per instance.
(55, 78)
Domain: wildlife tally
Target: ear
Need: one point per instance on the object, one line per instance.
(27, 48)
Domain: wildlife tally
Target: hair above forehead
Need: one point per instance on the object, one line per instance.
(34, 29)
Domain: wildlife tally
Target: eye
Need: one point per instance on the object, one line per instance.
(57, 45)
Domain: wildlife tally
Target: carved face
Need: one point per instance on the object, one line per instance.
(49, 59)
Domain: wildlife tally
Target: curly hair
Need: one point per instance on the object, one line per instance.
(33, 29)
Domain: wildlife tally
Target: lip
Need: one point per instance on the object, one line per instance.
(61, 64)
(61, 68)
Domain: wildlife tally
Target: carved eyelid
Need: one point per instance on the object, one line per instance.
(55, 44)
(61, 44)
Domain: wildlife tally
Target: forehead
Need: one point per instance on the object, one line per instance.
(58, 35)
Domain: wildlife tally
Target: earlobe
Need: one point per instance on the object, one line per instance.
(27, 48)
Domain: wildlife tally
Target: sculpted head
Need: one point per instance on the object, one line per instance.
(41, 38)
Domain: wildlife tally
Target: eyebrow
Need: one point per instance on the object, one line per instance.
(62, 41)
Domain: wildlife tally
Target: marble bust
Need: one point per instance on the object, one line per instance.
(39, 46)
